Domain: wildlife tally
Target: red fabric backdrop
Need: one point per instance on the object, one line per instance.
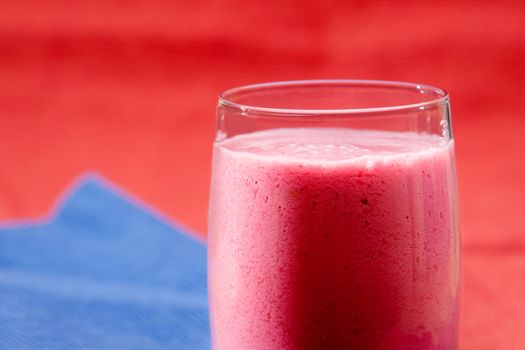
(128, 89)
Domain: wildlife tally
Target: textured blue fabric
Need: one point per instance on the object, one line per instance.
(105, 272)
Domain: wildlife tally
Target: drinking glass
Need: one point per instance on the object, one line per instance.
(333, 218)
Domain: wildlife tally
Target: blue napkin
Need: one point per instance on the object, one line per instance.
(105, 272)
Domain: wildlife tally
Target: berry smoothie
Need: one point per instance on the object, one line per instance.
(328, 239)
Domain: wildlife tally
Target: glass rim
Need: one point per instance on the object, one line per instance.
(225, 102)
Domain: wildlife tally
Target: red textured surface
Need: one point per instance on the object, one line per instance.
(128, 89)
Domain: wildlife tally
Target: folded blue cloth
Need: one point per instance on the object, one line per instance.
(105, 272)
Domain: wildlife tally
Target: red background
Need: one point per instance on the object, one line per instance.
(128, 89)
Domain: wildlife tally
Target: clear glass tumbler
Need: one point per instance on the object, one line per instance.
(333, 218)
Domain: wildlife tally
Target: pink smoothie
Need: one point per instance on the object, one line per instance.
(327, 239)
